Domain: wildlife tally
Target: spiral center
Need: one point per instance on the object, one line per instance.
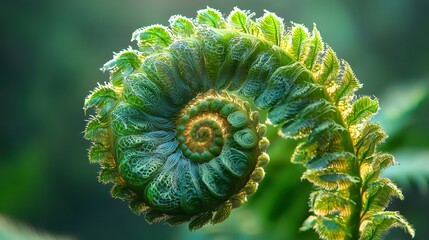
(201, 134)
(214, 121)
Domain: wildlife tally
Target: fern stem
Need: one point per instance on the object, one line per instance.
(354, 222)
(354, 189)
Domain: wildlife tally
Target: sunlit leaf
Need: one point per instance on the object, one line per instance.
(322, 161)
(152, 38)
(121, 192)
(123, 64)
(366, 142)
(181, 26)
(329, 180)
(378, 195)
(362, 109)
(312, 48)
(330, 67)
(330, 228)
(97, 131)
(299, 35)
(241, 20)
(328, 203)
(211, 17)
(376, 225)
(272, 28)
(347, 85)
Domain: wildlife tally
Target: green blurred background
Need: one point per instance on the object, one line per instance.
(51, 54)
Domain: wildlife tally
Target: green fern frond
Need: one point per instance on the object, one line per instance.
(121, 192)
(108, 175)
(299, 35)
(177, 142)
(362, 110)
(377, 196)
(242, 21)
(271, 27)
(211, 17)
(325, 203)
(152, 38)
(378, 224)
(123, 64)
(367, 139)
(329, 179)
(181, 26)
(313, 47)
(329, 68)
(330, 228)
(330, 160)
(346, 85)
(103, 99)
(97, 131)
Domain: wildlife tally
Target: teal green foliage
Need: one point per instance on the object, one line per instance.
(242, 21)
(362, 109)
(138, 168)
(152, 38)
(313, 48)
(181, 26)
(103, 98)
(196, 151)
(210, 17)
(272, 28)
(122, 65)
(299, 35)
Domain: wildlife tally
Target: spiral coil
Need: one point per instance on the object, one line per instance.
(175, 133)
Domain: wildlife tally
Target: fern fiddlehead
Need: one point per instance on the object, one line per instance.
(176, 135)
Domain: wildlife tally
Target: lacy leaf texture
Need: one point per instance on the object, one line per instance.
(175, 133)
